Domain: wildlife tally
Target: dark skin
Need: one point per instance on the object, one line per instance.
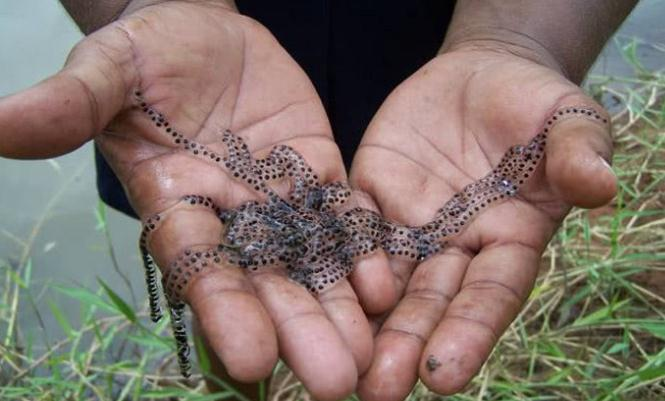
(502, 70)
(242, 80)
(455, 305)
(495, 82)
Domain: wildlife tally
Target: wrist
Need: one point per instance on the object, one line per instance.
(135, 5)
(503, 41)
(565, 35)
(91, 15)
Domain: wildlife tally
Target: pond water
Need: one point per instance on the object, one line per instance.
(49, 206)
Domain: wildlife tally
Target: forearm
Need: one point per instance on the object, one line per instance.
(565, 34)
(91, 15)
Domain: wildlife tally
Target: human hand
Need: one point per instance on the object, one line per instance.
(444, 127)
(207, 69)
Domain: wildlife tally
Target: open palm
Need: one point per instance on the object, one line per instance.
(206, 68)
(446, 126)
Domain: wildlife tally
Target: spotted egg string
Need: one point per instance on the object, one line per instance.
(303, 233)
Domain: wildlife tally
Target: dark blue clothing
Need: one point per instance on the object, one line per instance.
(354, 51)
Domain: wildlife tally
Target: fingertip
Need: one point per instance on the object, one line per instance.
(577, 166)
(341, 306)
(327, 369)
(333, 390)
(452, 357)
(66, 110)
(374, 283)
(43, 121)
(309, 342)
(320, 359)
(236, 326)
(372, 278)
(392, 374)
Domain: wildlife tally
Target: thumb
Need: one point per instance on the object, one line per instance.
(579, 151)
(66, 110)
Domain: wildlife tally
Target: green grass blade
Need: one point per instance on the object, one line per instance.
(120, 304)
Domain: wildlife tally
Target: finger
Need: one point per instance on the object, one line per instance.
(400, 342)
(236, 325)
(578, 154)
(61, 113)
(494, 288)
(219, 376)
(395, 196)
(374, 283)
(372, 278)
(309, 342)
(341, 305)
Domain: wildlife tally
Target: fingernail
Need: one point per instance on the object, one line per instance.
(606, 164)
